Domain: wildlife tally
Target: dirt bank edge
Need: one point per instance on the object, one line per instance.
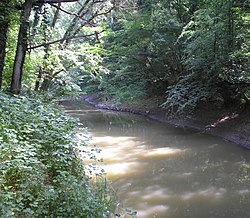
(232, 126)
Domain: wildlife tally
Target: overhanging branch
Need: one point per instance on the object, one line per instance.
(92, 18)
(63, 39)
(41, 2)
(74, 14)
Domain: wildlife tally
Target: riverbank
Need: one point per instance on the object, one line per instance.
(232, 123)
(42, 171)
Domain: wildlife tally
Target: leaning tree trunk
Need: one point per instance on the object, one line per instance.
(39, 78)
(46, 83)
(4, 24)
(21, 48)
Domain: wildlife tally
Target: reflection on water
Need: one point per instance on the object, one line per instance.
(162, 171)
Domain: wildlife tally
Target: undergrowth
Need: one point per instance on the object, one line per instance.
(184, 96)
(41, 174)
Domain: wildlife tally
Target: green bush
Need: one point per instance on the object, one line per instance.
(41, 174)
(184, 96)
(125, 94)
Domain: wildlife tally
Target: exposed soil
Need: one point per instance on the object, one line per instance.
(230, 123)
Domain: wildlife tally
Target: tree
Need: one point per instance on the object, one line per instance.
(89, 11)
(197, 49)
(4, 23)
(212, 41)
(22, 42)
(21, 48)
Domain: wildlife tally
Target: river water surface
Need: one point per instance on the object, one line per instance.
(166, 172)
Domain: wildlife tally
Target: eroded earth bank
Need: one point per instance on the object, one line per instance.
(232, 123)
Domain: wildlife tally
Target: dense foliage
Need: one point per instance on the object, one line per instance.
(41, 173)
(52, 45)
(187, 50)
(192, 50)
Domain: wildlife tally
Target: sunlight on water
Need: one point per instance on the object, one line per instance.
(125, 156)
(121, 169)
(111, 140)
(153, 211)
(117, 147)
(211, 193)
(244, 191)
(163, 152)
(165, 172)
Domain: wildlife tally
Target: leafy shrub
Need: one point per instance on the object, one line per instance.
(41, 174)
(188, 92)
(125, 94)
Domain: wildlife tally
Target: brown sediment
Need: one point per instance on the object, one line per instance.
(230, 123)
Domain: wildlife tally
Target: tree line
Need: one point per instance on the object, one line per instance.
(188, 50)
(37, 20)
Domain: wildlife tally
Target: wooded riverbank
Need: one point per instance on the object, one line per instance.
(231, 124)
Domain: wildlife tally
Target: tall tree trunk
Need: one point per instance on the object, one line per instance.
(46, 82)
(21, 48)
(4, 24)
(39, 78)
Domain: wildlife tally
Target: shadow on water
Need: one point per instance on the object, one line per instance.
(162, 171)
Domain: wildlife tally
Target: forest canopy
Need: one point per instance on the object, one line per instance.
(188, 50)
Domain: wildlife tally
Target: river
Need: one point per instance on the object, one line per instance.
(166, 172)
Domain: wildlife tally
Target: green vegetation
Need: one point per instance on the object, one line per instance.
(188, 51)
(192, 50)
(41, 173)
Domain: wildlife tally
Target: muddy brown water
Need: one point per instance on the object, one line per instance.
(166, 172)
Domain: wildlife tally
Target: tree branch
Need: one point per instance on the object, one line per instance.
(63, 39)
(56, 15)
(66, 68)
(83, 11)
(92, 18)
(74, 14)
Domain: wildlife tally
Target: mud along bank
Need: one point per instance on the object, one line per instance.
(232, 124)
